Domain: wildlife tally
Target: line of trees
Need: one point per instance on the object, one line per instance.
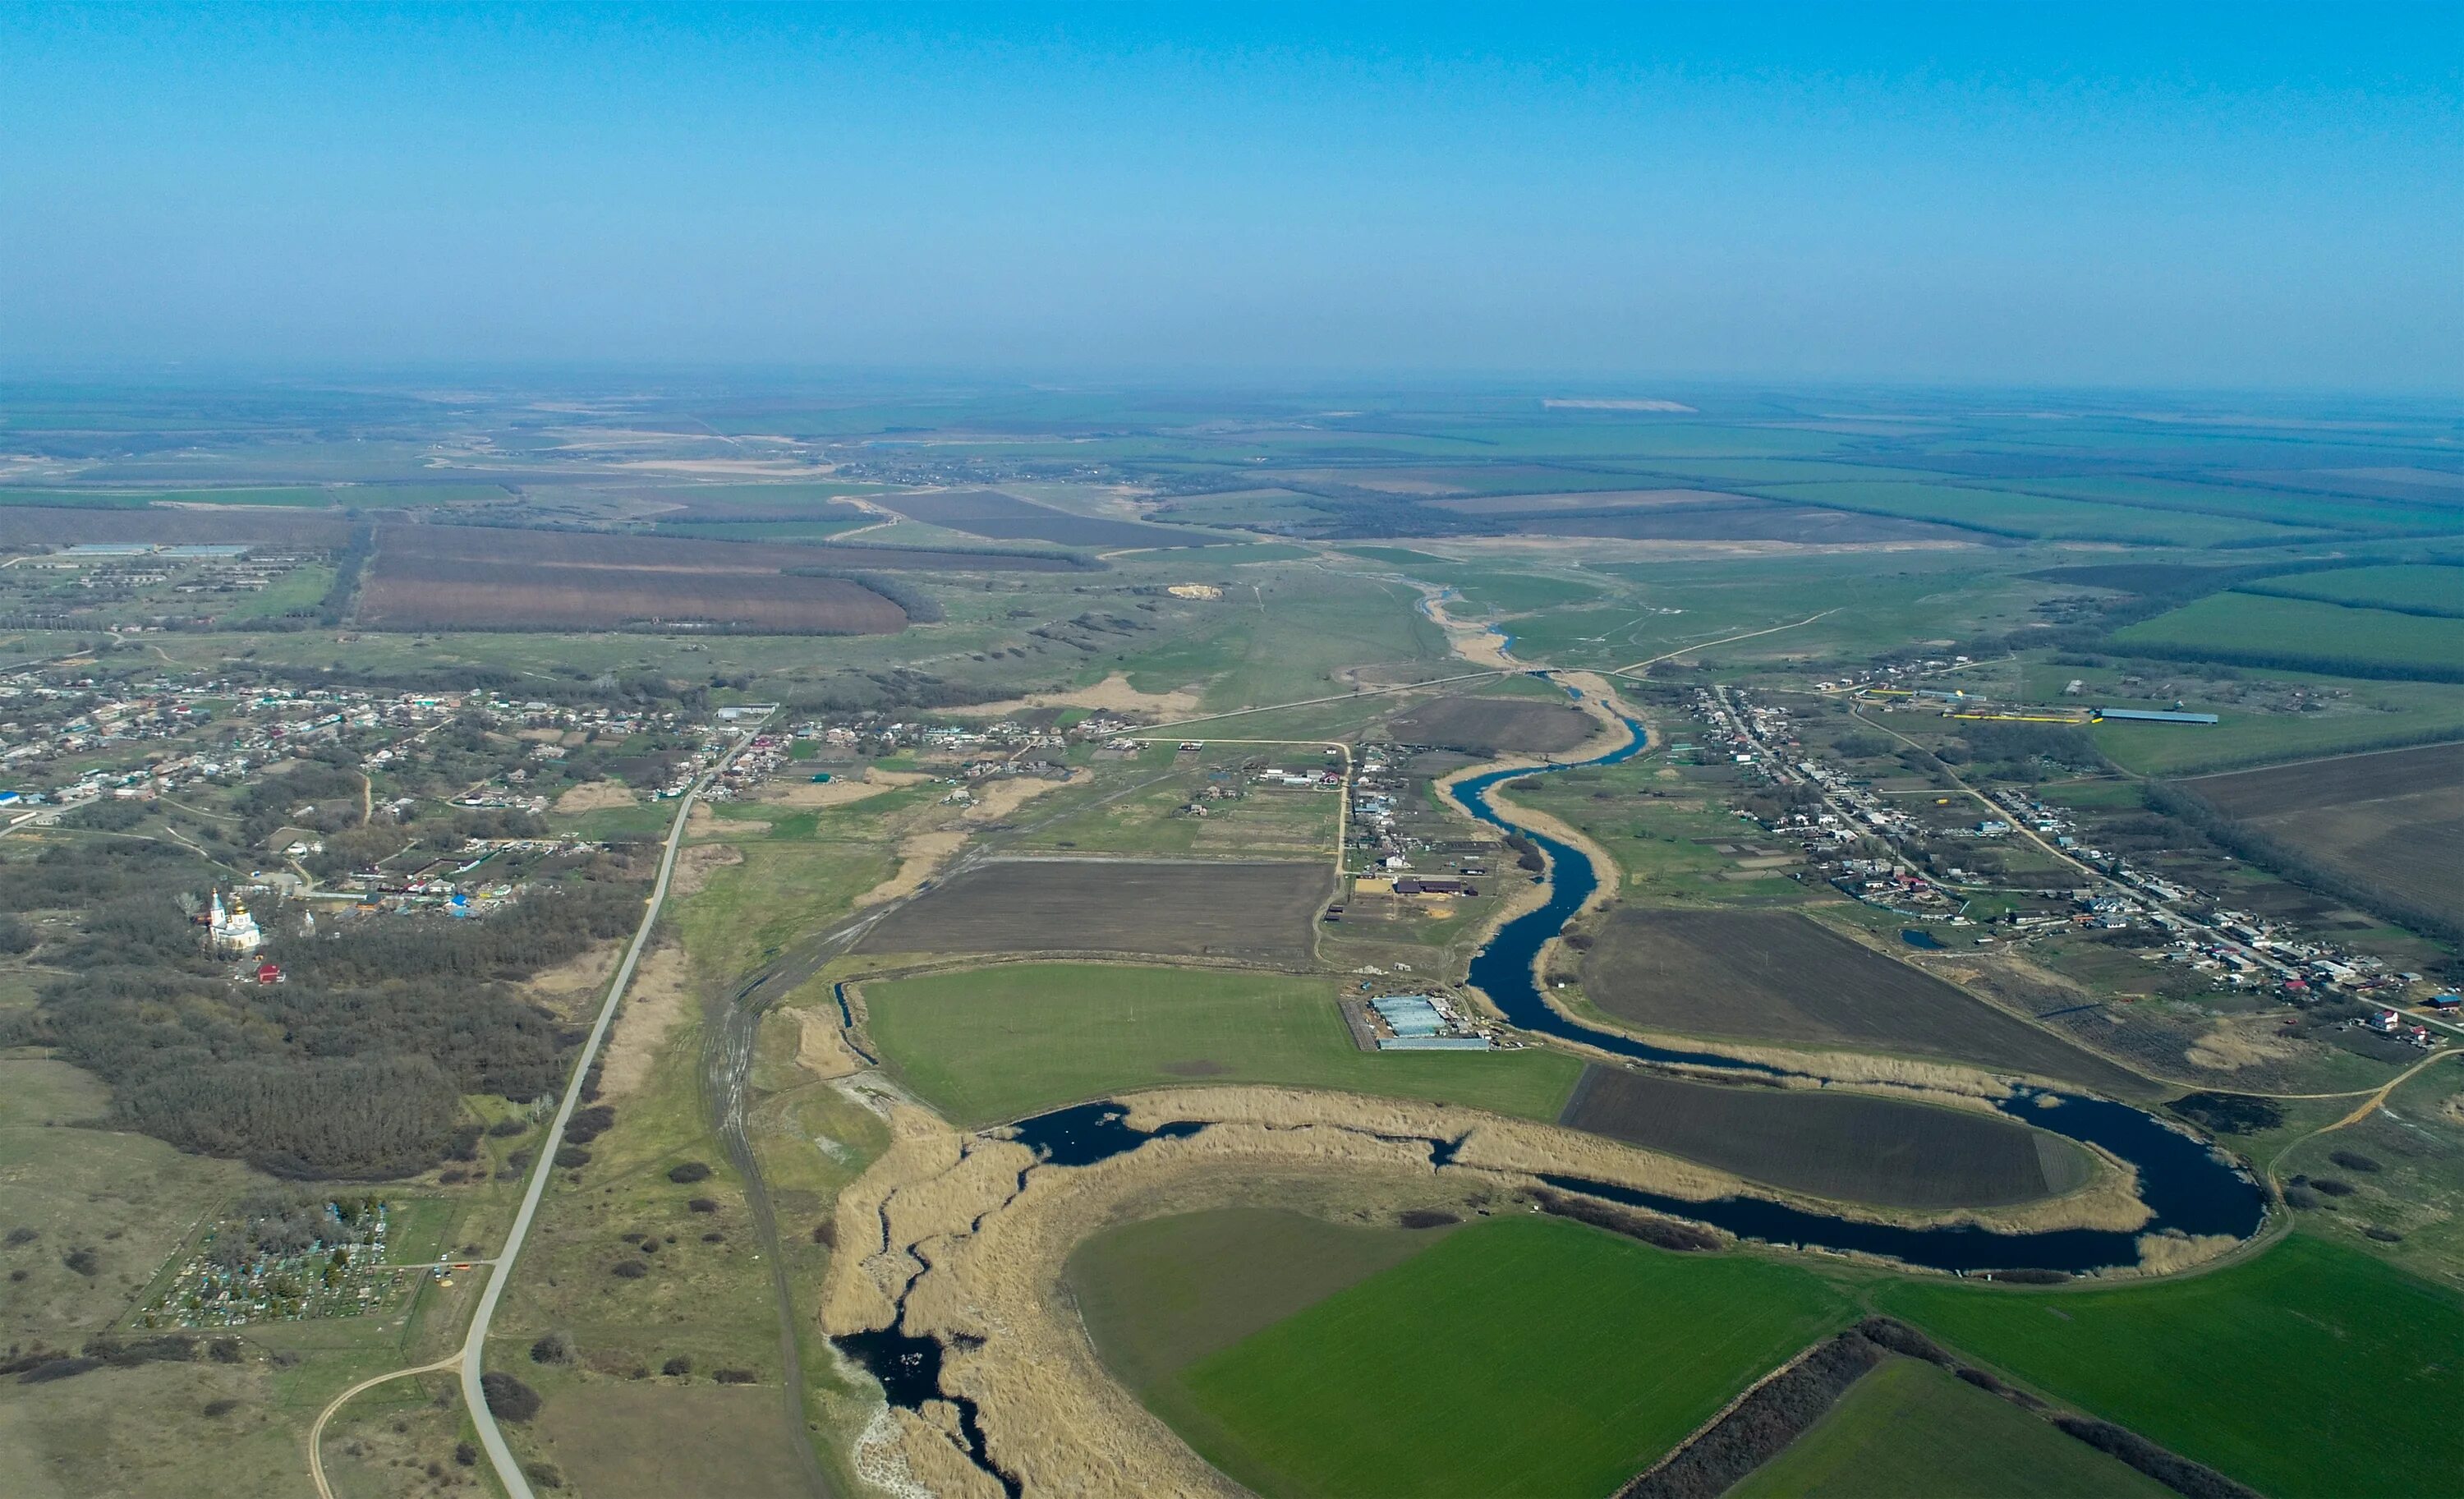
(2262, 848)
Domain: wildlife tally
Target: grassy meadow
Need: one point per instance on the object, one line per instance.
(2279, 1370)
(1911, 1428)
(2249, 627)
(986, 1044)
(1517, 1356)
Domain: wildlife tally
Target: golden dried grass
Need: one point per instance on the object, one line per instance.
(659, 996)
(593, 796)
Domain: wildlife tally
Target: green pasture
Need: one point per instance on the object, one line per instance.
(2033, 514)
(1910, 1428)
(300, 588)
(985, 1045)
(1520, 1356)
(2294, 632)
(2425, 589)
(2281, 1371)
(1161, 1293)
(1297, 630)
(2318, 512)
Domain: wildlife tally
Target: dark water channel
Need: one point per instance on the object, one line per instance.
(2188, 1186)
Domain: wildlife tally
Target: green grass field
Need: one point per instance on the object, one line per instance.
(984, 1045)
(1911, 1428)
(1159, 1294)
(1520, 1356)
(2033, 514)
(2245, 627)
(2284, 1370)
(2429, 589)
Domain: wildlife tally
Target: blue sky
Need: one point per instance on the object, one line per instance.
(2134, 195)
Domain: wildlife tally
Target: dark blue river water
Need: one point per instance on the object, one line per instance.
(2188, 1186)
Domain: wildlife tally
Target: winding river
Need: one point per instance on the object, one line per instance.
(2188, 1186)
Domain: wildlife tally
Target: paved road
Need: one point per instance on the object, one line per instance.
(475, 1347)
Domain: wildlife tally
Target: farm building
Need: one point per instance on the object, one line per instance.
(1410, 1015)
(2154, 715)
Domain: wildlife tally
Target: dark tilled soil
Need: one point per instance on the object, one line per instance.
(1778, 976)
(1851, 1146)
(1495, 725)
(434, 593)
(49, 525)
(684, 554)
(1254, 913)
(2395, 818)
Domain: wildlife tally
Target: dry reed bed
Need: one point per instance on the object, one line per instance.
(972, 1237)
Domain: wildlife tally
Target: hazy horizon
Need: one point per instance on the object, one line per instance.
(2119, 200)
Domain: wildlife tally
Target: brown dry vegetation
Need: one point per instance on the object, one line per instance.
(595, 796)
(660, 995)
(943, 1221)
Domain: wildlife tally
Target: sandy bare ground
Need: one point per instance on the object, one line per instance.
(660, 996)
(837, 791)
(576, 981)
(698, 862)
(921, 853)
(1113, 694)
(595, 795)
(1477, 644)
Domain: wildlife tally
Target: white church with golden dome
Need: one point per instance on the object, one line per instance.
(232, 931)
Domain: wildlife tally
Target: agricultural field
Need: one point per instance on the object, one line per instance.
(1909, 1427)
(1830, 1143)
(2405, 588)
(1245, 912)
(2394, 819)
(414, 593)
(1161, 1293)
(2277, 1370)
(1518, 1356)
(1745, 518)
(988, 1045)
(27, 526)
(1006, 517)
(1781, 976)
(1494, 725)
(2246, 627)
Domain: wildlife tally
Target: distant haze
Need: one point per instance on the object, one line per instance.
(2057, 195)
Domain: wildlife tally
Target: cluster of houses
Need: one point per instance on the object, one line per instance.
(2232, 948)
